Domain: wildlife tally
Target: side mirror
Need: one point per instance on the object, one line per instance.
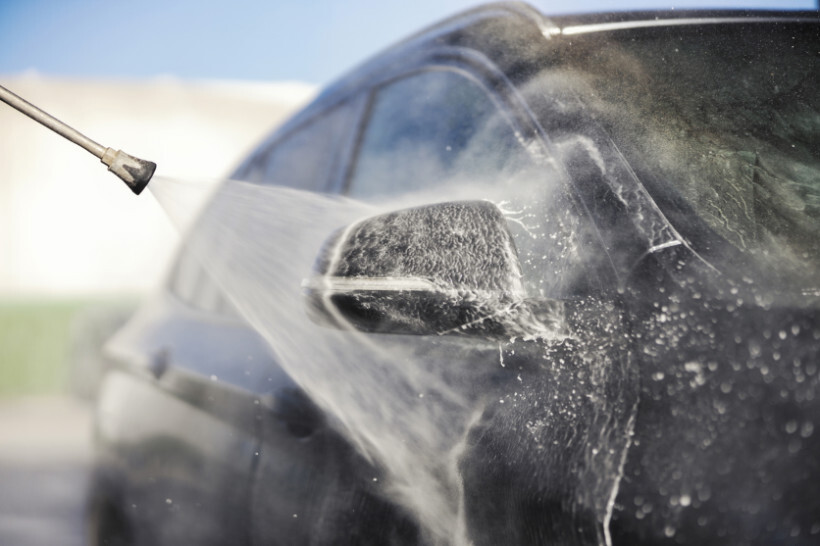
(438, 269)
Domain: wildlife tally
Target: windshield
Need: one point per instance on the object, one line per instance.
(721, 122)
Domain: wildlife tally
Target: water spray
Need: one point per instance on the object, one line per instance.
(135, 172)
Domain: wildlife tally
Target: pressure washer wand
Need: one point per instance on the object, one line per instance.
(136, 173)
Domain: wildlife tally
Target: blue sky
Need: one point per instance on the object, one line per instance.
(311, 41)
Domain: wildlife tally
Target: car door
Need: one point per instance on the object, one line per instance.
(514, 440)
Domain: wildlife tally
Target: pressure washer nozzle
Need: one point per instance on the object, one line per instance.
(135, 172)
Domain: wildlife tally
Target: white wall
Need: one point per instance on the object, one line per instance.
(69, 227)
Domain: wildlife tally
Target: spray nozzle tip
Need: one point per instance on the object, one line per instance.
(135, 172)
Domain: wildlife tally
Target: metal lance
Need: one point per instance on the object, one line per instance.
(135, 172)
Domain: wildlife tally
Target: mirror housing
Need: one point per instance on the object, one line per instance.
(437, 269)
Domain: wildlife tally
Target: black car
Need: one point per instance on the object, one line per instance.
(516, 280)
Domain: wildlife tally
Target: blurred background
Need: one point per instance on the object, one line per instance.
(191, 85)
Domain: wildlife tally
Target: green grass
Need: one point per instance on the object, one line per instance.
(35, 339)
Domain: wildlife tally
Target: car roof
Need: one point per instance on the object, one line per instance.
(525, 15)
(474, 29)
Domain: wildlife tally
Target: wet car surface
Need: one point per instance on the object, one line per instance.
(517, 280)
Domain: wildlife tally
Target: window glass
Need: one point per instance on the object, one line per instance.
(439, 136)
(431, 127)
(304, 157)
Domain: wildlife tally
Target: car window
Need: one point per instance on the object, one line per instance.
(427, 128)
(305, 156)
(441, 136)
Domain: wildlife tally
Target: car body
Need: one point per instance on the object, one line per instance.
(567, 292)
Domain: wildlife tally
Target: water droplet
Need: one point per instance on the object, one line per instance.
(754, 349)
